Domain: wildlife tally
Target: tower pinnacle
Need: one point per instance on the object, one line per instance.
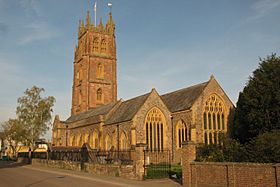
(88, 20)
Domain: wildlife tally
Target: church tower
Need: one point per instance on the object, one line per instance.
(95, 78)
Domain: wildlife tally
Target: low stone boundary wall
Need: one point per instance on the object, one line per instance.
(231, 174)
(116, 170)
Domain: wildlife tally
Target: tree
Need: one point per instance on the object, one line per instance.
(13, 133)
(34, 114)
(264, 148)
(258, 106)
(230, 151)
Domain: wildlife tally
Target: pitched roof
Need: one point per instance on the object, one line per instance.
(183, 99)
(127, 109)
(101, 110)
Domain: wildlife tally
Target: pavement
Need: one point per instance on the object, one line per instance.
(18, 175)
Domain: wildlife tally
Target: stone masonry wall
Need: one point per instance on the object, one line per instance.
(186, 116)
(139, 119)
(116, 170)
(213, 87)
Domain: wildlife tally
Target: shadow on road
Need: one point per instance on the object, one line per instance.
(11, 164)
(179, 181)
(42, 180)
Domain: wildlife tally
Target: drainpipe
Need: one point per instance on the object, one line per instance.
(172, 137)
(118, 134)
(66, 143)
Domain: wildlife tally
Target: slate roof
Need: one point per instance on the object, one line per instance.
(101, 110)
(183, 99)
(179, 100)
(127, 109)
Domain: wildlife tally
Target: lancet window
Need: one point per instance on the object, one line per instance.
(182, 133)
(100, 70)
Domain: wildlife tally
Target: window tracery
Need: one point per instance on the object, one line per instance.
(182, 133)
(213, 120)
(155, 124)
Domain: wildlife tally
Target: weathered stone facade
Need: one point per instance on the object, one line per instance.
(94, 80)
(200, 113)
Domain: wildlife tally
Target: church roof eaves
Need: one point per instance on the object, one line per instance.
(101, 110)
(183, 99)
(127, 110)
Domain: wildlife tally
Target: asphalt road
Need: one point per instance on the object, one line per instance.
(15, 175)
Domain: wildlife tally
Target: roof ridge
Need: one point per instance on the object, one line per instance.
(182, 89)
(127, 109)
(137, 97)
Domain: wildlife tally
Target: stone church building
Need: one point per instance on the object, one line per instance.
(200, 113)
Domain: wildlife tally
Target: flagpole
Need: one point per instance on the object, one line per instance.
(88, 3)
(95, 12)
(110, 6)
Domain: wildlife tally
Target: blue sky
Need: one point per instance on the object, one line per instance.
(160, 43)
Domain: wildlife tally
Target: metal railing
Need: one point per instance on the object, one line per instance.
(85, 154)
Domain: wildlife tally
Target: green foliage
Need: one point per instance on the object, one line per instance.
(258, 106)
(230, 151)
(264, 148)
(155, 171)
(117, 174)
(34, 113)
(209, 153)
(13, 132)
(176, 170)
(33, 117)
(233, 151)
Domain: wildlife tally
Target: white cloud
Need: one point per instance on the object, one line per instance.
(31, 7)
(263, 7)
(38, 31)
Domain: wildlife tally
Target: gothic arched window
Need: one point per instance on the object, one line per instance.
(123, 141)
(103, 46)
(155, 124)
(73, 141)
(79, 140)
(99, 94)
(108, 142)
(182, 133)
(213, 119)
(94, 140)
